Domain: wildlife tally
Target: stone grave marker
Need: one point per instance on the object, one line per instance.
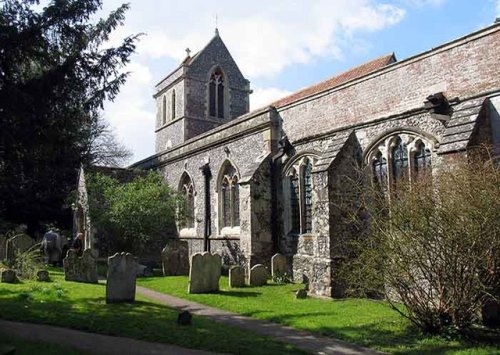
(278, 265)
(18, 245)
(3, 247)
(9, 276)
(43, 276)
(80, 269)
(120, 285)
(236, 276)
(258, 275)
(175, 258)
(204, 273)
(301, 294)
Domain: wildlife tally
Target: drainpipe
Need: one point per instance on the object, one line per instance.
(207, 230)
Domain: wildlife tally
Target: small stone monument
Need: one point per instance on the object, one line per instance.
(43, 276)
(120, 285)
(204, 273)
(236, 276)
(184, 318)
(278, 265)
(258, 275)
(9, 276)
(175, 258)
(301, 294)
(80, 269)
(18, 245)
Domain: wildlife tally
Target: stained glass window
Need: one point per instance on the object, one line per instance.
(294, 201)
(307, 198)
(380, 171)
(229, 197)
(187, 191)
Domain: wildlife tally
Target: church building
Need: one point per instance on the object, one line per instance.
(267, 181)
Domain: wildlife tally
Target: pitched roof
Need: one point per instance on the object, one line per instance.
(331, 152)
(349, 75)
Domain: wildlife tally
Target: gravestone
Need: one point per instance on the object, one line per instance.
(175, 258)
(8, 276)
(236, 276)
(120, 285)
(43, 275)
(301, 294)
(18, 245)
(258, 275)
(278, 265)
(184, 318)
(3, 247)
(80, 269)
(204, 273)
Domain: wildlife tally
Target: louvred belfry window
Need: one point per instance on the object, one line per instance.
(216, 94)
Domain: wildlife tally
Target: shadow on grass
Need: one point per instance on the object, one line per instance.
(239, 293)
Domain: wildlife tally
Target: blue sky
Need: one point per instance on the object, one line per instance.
(280, 46)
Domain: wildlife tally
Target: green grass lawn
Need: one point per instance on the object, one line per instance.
(369, 323)
(82, 306)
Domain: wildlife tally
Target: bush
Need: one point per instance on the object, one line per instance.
(433, 244)
(27, 264)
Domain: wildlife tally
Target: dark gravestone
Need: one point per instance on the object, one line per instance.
(80, 269)
(120, 285)
(184, 318)
(175, 258)
(301, 294)
(9, 276)
(43, 275)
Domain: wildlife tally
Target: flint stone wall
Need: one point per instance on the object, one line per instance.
(175, 258)
(120, 285)
(80, 269)
(204, 273)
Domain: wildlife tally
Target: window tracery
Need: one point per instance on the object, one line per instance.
(187, 191)
(229, 197)
(216, 94)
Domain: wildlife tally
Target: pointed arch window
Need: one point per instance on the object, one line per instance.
(421, 159)
(300, 196)
(216, 94)
(229, 197)
(379, 167)
(164, 110)
(399, 160)
(173, 105)
(187, 192)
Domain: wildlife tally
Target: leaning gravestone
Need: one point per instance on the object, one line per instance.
(175, 258)
(80, 269)
(204, 273)
(8, 276)
(258, 275)
(18, 245)
(278, 265)
(120, 285)
(236, 276)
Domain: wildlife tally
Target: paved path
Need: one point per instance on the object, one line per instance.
(90, 342)
(301, 339)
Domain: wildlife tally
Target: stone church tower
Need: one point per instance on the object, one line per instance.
(205, 91)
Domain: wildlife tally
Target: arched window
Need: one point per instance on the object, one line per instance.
(187, 192)
(173, 105)
(403, 155)
(421, 159)
(164, 110)
(229, 197)
(300, 196)
(399, 160)
(216, 94)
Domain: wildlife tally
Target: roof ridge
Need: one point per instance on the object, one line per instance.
(336, 80)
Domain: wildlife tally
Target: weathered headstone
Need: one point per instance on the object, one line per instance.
(278, 265)
(43, 275)
(80, 269)
(301, 294)
(3, 247)
(258, 275)
(184, 318)
(18, 245)
(175, 258)
(8, 276)
(204, 272)
(120, 285)
(236, 276)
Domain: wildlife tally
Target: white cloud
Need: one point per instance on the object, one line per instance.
(264, 38)
(265, 96)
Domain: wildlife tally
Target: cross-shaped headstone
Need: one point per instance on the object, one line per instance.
(188, 51)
